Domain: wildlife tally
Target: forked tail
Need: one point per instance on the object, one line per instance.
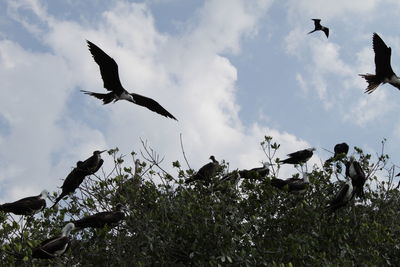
(372, 80)
(107, 98)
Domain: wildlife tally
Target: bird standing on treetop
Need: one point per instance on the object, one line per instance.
(383, 70)
(26, 206)
(110, 76)
(319, 27)
(344, 196)
(341, 148)
(53, 247)
(92, 164)
(206, 172)
(357, 175)
(101, 219)
(299, 157)
(292, 185)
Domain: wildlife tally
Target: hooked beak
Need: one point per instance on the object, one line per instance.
(103, 151)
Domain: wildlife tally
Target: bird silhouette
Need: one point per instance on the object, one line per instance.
(319, 27)
(26, 206)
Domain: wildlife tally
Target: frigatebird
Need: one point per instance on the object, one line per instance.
(343, 196)
(53, 247)
(101, 219)
(110, 76)
(254, 173)
(383, 70)
(299, 157)
(341, 149)
(206, 172)
(71, 183)
(357, 176)
(92, 164)
(26, 206)
(292, 185)
(319, 27)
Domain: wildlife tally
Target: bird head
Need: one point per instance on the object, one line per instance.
(44, 194)
(120, 207)
(67, 229)
(98, 152)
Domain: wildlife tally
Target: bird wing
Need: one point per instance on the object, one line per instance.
(360, 173)
(54, 244)
(151, 104)
(340, 196)
(108, 68)
(317, 22)
(326, 31)
(382, 57)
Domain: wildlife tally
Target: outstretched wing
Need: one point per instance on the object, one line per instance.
(108, 68)
(151, 104)
(317, 23)
(382, 57)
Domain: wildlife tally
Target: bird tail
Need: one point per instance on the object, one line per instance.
(107, 98)
(373, 82)
(311, 31)
(57, 200)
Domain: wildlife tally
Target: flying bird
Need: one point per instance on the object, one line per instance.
(101, 219)
(55, 246)
(292, 185)
(110, 76)
(299, 157)
(91, 165)
(357, 176)
(319, 27)
(26, 206)
(206, 172)
(342, 198)
(383, 70)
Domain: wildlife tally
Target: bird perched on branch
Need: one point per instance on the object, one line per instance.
(110, 76)
(101, 219)
(357, 176)
(319, 27)
(92, 164)
(26, 206)
(299, 157)
(292, 185)
(342, 198)
(206, 172)
(383, 70)
(54, 247)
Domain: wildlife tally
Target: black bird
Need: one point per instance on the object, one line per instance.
(292, 185)
(206, 172)
(99, 220)
(299, 157)
(71, 183)
(110, 76)
(341, 148)
(26, 206)
(55, 246)
(319, 27)
(344, 196)
(357, 176)
(255, 173)
(383, 70)
(92, 164)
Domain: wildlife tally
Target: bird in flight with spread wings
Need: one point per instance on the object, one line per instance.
(110, 76)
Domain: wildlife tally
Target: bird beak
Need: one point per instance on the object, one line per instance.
(103, 151)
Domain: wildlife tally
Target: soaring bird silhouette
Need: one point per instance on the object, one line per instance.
(26, 206)
(342, 198)
(101, 219)
(357, 176)
(383, 70)
(319, 27)
(299, 157)
(206, 172)
(110, 76)
(92, 164)
(53, 247)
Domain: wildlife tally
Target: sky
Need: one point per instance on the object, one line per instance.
(230, 71)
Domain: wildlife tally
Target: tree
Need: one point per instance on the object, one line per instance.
(240, 222)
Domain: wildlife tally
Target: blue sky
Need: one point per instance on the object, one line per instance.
(231, 71)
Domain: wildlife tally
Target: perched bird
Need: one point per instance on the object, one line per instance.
(383, 70)
(71, 183)
(299, 157)
(110, 76)
(101, 219)
(292, 185)
(357, 176)
(26, 206)
(92, 164)
(55, 246)
(259, 172)
(206, 172)
(344, 196)
(319, 27)
(341, 148)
